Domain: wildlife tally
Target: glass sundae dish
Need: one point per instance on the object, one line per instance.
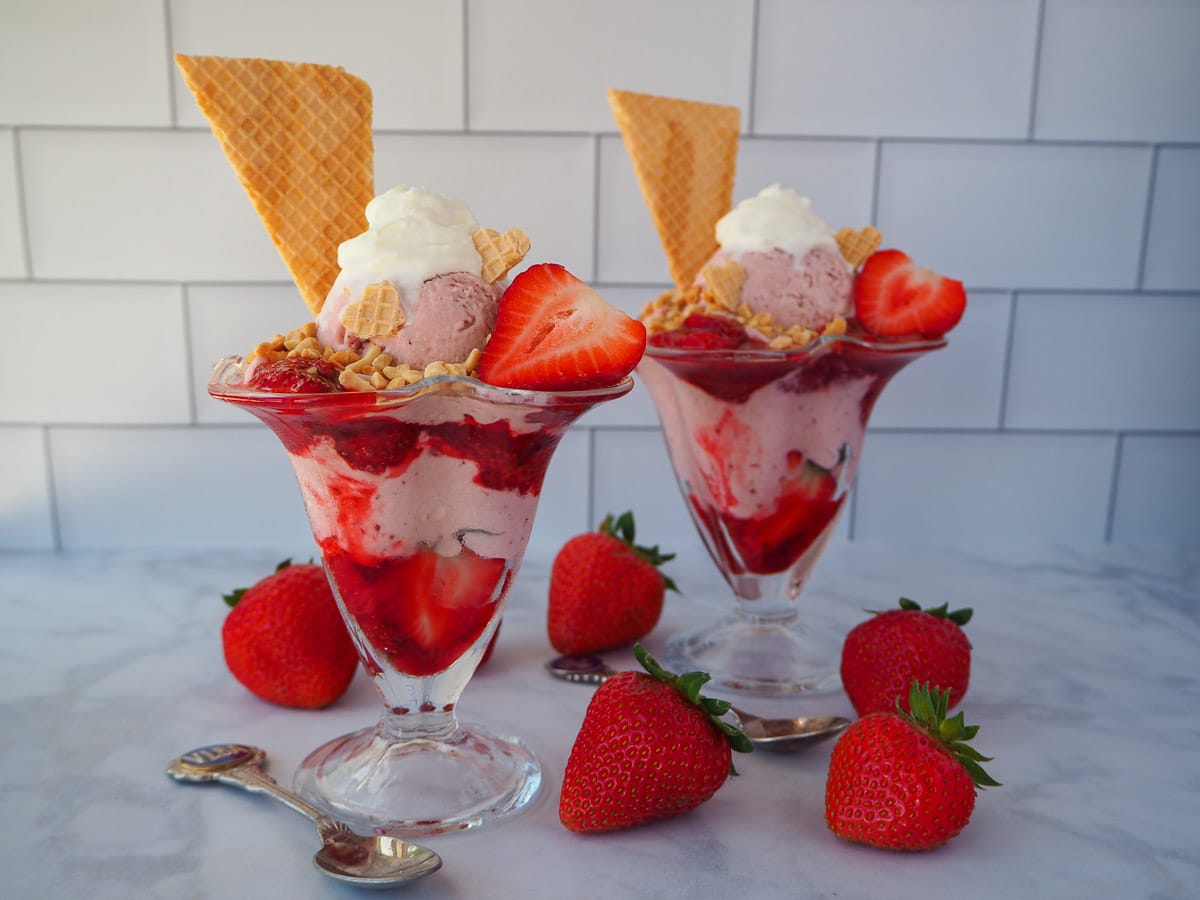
(764, 364)
(419, 408)
(421, 501)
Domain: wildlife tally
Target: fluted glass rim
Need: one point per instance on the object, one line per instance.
(822, 342)
(222, 386)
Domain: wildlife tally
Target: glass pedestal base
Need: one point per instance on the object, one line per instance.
(753, 654)
(460, 778)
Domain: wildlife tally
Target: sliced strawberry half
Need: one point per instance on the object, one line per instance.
(893, 296)
(555, 333)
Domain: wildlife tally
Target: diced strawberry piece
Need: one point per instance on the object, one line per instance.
(700, 331)
(422, 612)
(555, 333)
(893, 297)
(297, 376)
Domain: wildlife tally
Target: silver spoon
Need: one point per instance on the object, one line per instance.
(377, 861)
(779, 735)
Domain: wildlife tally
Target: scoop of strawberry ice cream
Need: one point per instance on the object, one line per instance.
(794, 269)
(418, 245)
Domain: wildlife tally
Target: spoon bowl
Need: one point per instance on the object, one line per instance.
(362, 860)
(775, 735)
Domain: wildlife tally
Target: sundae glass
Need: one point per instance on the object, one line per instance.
(765, 445)
(421, 501)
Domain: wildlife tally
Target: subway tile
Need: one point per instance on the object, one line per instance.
(25, 521)
(177, 487)
(1123, 70)
(1158, 490)
(1013, 215)
(1104, 362)
(12, 243)
(409, 51)
(960, 386)
(546, 65)
(134, 334)
(931, 68)
(86, 64)
(140, 205)
(1172, 263)
(230, 320)
(545, 187)
(970, 488)
(627, 245)
(839, 176)
(563, 506)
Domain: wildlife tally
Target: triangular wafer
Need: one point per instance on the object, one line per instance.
(684, 154)
(298, 135)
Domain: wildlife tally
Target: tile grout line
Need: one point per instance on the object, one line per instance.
(169, 38)
(1005, 369)
(1148, 213)
(466, 70)
(22, 206)
(755, 24)
(188, 359)
(1036, 73)
(51, 491)
(1110, 510)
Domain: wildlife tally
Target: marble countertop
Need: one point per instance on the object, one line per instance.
(1086, 685)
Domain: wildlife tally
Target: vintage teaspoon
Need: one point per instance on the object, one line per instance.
(377, 861)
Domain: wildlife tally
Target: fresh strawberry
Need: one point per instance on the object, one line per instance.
(893, 296)
(605, 591)
(294, 375)
(905, 781)
(885, 654)
(554, 333)
(650, 747)
(701, 331)
(285, 640)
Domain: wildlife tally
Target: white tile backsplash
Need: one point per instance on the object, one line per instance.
(1119, 70)
(81, 63)
(979, 488)
(1172, 263)
(1158, 494)
(146, 382)
(1047, 152)
(1133, 362)
(409, 51)
(922, 68)
(25, 504)
(12, 243)
(545, 65)
(140, 205)
(1017, 215)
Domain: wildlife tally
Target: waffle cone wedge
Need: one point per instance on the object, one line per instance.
(684, 155)
(298, 135)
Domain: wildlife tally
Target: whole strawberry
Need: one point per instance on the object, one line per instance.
(605, 591)
(650, 747)
(285, 640)
(882, 656)
(905, 781)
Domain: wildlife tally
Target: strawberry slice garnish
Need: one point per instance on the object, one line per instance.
(893, 296)
(555, 333)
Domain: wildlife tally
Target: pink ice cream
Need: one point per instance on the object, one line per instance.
(422, 243)
(794, 269)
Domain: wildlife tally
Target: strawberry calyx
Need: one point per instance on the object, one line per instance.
(688, 686)
(959, 617)
(928, 714)
(622, 528)
(231, 599)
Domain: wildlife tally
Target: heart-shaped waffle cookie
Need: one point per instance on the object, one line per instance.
(856, 246)
(500, 252)
(377, 314)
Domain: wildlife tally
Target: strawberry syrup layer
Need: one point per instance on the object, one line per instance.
(421, 501)
(765, 444)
